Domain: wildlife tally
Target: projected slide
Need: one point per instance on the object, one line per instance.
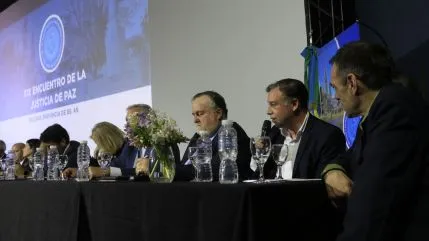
(73, 62)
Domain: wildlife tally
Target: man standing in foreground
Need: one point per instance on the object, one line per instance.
(385, 174)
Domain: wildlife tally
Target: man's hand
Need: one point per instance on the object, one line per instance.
(98, 172)
(19, 171)
(142, 166)
(69, 173)
(338, 184)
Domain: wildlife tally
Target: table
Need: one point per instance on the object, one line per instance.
(93, 211)
(39, 210)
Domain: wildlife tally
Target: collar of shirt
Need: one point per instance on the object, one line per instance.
(214, 133)
(300, 130)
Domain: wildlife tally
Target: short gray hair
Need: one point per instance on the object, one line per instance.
(217, 101)
(143, 107)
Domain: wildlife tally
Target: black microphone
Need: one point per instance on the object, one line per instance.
(266, 128)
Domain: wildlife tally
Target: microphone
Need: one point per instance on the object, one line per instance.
(266, 128)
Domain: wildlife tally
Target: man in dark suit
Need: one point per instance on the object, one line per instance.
(312, 142)
(2, 150)
(209, 109)
(385, 174)
(128, 160)
(58, 136)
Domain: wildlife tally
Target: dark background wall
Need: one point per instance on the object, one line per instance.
(405, 27)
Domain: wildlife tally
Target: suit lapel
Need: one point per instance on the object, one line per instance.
(302, 145)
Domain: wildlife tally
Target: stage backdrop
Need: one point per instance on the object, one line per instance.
(317, 79)
(236, 48)
(73, 62)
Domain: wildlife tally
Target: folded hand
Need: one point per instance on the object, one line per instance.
(142, 166)
(338, 184)
(98, 172)
(69, 172)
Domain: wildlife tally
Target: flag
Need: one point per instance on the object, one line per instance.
(311, 79)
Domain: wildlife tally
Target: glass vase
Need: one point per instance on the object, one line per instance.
(162, 166)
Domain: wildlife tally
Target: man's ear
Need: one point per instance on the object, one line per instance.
(295, 104)
(352, 83)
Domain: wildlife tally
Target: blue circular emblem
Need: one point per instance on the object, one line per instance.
(350, 126)
(51, 43)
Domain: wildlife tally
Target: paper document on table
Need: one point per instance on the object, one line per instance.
(285, 180)
(294, 180)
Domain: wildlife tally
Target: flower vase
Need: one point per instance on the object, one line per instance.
(162, 167)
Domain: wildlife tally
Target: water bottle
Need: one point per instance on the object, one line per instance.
(228, 171)
(38, 165)
(204, 157)
(53, 172)
(83, 158)
(10, 166)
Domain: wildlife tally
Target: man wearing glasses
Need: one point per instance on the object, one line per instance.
(209, 109)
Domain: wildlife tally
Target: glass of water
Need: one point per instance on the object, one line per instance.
(10, 166)
(203, 162)
(192, 155)
(260, 147)
(279, 153)
(104, 159)
(62, 163)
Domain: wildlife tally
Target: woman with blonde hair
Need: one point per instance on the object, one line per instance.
(110, 139)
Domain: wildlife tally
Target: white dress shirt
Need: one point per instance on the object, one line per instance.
(293, 145)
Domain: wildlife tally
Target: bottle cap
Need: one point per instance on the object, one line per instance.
(203, 133)
(227, 122)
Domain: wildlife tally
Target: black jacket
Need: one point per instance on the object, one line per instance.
(389, 166)
(320, 144)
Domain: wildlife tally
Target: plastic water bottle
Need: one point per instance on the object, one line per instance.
(10, 166)
(204, 157)
(38, 166)
(83, 158)
(228, 171)
(204, 141)
(53, 173)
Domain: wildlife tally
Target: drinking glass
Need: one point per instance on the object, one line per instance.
(203, 160)
(104, 159)
(260, 147)
(62, 163)
(192, 155)
(279, 153)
